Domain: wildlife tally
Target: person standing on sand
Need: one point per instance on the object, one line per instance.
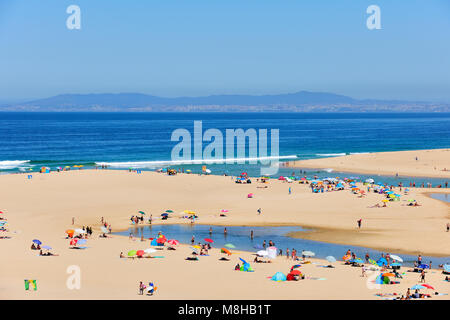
(422, 276)
(287, 253)
(141, 288)
(259, 211)
(359, 223)
(289, 190)
(448, 227)
(73, 220)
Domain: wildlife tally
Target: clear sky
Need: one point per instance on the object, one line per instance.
(201, 47)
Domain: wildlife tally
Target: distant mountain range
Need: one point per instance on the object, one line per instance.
(303, 101)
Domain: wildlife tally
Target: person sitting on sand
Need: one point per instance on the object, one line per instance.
(257, 261)
(33, 247)
(237, 267)
(121, 255)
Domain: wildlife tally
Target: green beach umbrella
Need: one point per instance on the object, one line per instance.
(230, 245)
(141, 212)
(132, 253)
(169, 211)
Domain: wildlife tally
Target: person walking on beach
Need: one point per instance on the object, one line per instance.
(287, 253)
(359, 223)
(289, 190)
(259, 211)
(448, 227)
(141, 288)
(73, 220)
(422, 276)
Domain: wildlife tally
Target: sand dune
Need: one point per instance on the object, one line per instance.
(429, 163)
(43, 207)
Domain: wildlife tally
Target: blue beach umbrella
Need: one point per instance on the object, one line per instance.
(447, 267)
(417, 287)
(47, 247)
(382, 261)
(37, 241)
(331, 259)
(358, 260)
(82, 241)
(396, 264)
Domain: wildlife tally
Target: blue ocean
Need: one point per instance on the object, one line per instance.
(143, 140)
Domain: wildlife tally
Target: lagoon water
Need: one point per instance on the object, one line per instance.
(441, 196)
(239, 236)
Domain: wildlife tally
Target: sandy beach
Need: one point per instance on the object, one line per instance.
(42, 208)
(429, 163)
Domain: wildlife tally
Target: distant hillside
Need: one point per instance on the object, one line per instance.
(302, 101)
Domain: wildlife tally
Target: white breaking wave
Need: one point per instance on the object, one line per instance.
(330, 154)
(156, 164)
(359, 152)
(11, 164)
(328, 170)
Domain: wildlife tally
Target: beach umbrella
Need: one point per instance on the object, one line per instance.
(346, 257)
(308, 253)
(296, 266)
(224, 210)
(396, 258)
(331, 259)
(370, 180)
(104, 230)
(131, 253)
(230, 245)
(278, 277)
(385, 200)
(73, 242)
(373, 262)
(149, 250)
(427, 286)
(38, 242)
(209, 240)
(388, 274)
(262, 253)
(165, 214)
(161, 240)
(140, 253)
(296, 272)
(196, 247)
(173, 242)
(80, 231)
(396, 264)
(358, 260)
(169, 211)
(82, 241)
(224, 250)
(47, 247)
(70, 231)
(417, 287)
(447, 268)
(141, 212)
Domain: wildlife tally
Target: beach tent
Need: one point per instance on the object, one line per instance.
(154, 242)
(382, 280)
(279, 276)
(382, 261)
(246, 266)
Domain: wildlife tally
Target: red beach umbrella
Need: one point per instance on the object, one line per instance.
(295, 272)
(427, 286)
(140, 253)
(74, 241)
(173, 242)
(160, 240)
(209, 240)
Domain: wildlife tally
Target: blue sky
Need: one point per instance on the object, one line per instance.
(201, 47)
